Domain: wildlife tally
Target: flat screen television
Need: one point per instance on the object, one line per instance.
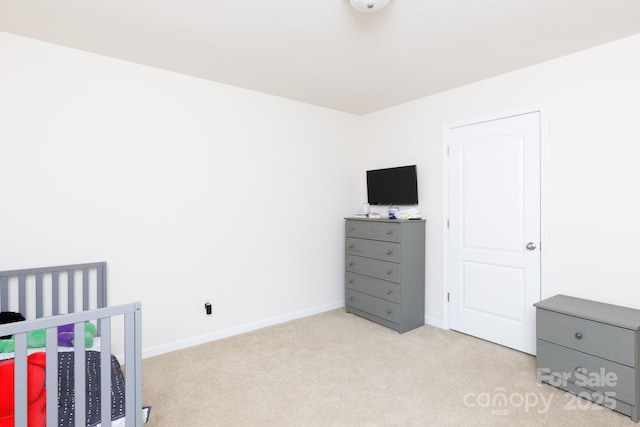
(393, 186)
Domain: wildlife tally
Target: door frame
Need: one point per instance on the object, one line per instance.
(544, 203)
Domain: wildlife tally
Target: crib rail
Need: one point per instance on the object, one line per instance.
(132, 314)
(51, 281)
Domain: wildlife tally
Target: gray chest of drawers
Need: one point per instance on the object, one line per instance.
(384, 277)
(590, 349)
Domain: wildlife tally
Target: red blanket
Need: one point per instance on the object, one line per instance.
(36, 393)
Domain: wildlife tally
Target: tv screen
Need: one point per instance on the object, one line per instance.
(393, 186)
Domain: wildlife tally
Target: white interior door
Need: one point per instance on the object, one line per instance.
(494, 229)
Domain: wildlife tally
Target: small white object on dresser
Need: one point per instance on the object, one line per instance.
(590, 349)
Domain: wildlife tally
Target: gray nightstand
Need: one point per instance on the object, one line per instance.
(590, 349)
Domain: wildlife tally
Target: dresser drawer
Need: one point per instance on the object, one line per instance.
(378, 288)
(385, 251)
(370, 267)
(599, 339)
(587, 371)
(383, 231)
(372, 305)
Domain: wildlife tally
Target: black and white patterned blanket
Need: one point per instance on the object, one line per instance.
(66, 395)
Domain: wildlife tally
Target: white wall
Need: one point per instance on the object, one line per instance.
(192, 189)
(187, 188)
(592, 100)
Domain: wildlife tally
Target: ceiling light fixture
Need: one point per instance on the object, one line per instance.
(369, 6)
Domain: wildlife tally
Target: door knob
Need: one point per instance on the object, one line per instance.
(531, 246)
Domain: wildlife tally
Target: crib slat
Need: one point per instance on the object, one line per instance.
(39, 311)
(55, 297)
(22, 295)
(102, 285)
(4, 293)
(85, 289)
(71, 292)
(129, 325)
(133, 367)
(101, 294)
(135, 336)
(52, 375)
(80, 375)
(105, 371)
(20, 380)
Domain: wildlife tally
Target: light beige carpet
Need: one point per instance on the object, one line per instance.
(336, 369)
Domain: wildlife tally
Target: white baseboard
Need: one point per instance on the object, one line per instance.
(252, 326)
(434, 322)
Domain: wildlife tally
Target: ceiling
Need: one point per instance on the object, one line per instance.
(323, 52)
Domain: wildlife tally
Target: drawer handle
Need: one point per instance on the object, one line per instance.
(350, 298)
(389, 252)
(388, 291)
(351, 264)
(388, 311)
(350, 280)
(389, 231)
(351, 246)
(578, 335)
(389, 271)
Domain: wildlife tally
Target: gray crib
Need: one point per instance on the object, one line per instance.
(51, 297)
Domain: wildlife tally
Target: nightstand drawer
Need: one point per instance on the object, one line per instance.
(385, 251)
(384, 231)
(594, 373)
(372, 305)
(368, 285)
(370, 267)
(599, 339)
